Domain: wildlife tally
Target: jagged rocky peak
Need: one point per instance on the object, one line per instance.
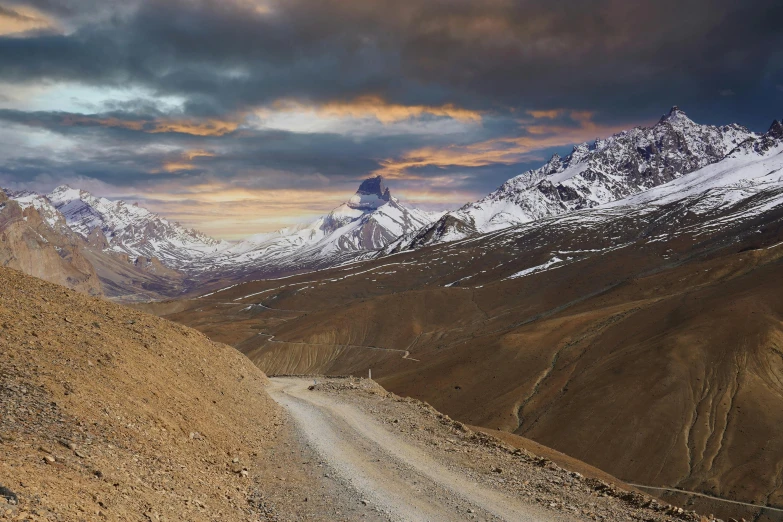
(676, 115)
(372, 193)
(776, 130)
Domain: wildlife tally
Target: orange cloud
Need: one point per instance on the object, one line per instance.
(21, 19)
(185, 161)
(376, 107)
(500, 151)
(198, 153)
(550, 114)
(211, 127)
(195, 128)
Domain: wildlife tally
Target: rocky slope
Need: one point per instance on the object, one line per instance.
(650, 324)
(593, 174)
(110, 414)
(37, 241)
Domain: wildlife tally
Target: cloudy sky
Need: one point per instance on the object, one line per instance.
(242, 116)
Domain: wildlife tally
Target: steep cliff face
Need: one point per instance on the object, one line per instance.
(33, 244)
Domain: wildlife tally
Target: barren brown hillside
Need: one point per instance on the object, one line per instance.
(30, 244)
(657, 360)
(110, 414)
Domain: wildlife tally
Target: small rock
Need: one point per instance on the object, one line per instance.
(49, 459)
(364, 502)
(497, 470)
(9, 495)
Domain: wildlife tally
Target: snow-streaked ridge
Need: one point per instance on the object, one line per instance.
(594, 174)
(132, 229)
(369, 221)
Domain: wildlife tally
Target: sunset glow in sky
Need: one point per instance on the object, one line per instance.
(244, 116)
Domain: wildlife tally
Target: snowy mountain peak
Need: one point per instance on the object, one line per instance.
(131, 229)
(372, 193)
(370, 220)
(609, 169)
(677, 116)
(776, 130)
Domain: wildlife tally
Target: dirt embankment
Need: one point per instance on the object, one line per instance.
(110, 414)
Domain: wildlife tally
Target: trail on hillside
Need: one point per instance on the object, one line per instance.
(399, 479)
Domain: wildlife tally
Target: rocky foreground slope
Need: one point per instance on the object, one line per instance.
(109, 414)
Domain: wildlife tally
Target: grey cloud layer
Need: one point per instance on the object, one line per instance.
(223, 55)
(624, 60)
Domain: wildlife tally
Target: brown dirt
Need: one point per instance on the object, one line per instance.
(658, 363)
(107, 413)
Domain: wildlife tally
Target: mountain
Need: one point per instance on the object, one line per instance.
(371, 219)
(642, 336)
(593, 174)
(35, 239)
(131, 229)
(39, 241)
(139, 255)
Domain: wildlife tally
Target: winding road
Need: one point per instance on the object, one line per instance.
(399, 479)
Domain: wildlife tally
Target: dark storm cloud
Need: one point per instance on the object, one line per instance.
(608, 55)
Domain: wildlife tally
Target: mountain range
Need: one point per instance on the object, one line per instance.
(157, 258)
(593, 174)
(140, 255)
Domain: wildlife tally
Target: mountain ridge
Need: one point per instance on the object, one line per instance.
(593, 174)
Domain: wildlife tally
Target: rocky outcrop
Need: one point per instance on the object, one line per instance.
(29, 243)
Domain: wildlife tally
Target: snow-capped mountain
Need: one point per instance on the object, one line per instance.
(371, 219)
(45, 208)
(593, 174)
(131, 229)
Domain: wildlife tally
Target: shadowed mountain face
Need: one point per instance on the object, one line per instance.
(643, 337)
(372, 193)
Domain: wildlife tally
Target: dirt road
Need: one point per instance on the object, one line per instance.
(401, 481)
